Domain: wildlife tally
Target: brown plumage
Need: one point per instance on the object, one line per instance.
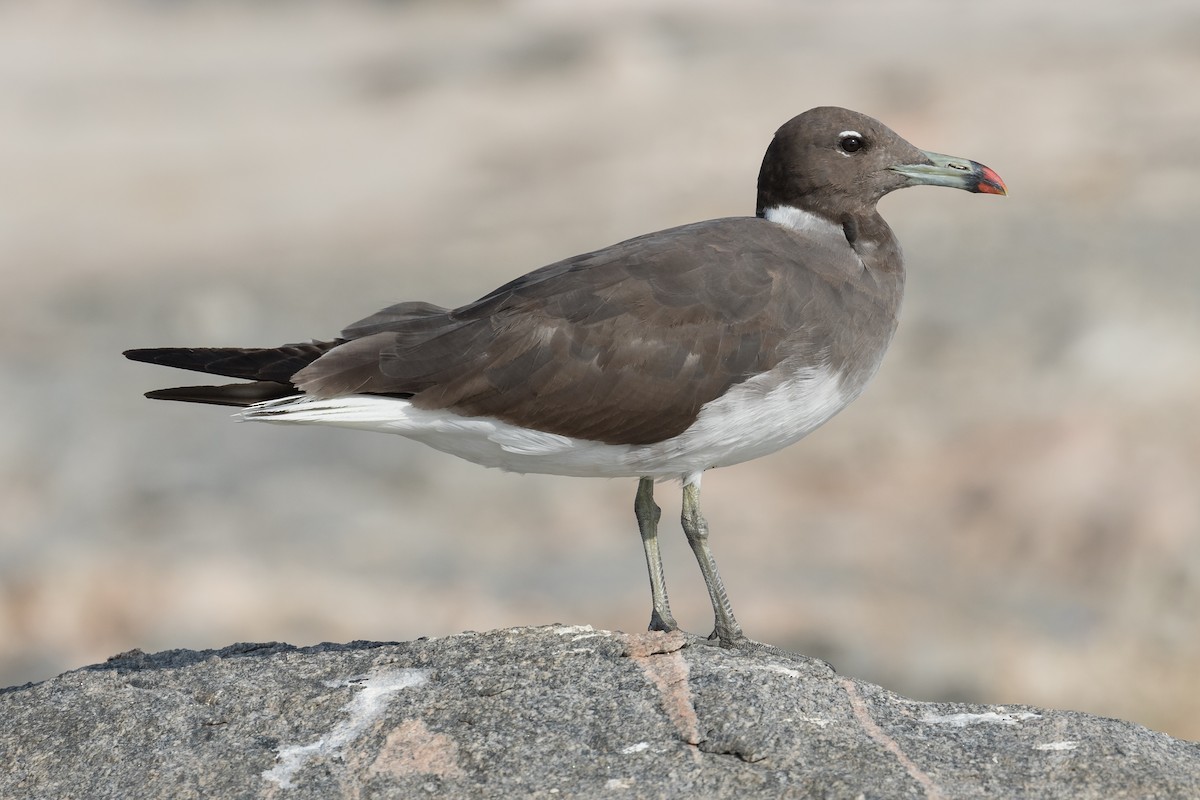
(630, 346)
(622, 346)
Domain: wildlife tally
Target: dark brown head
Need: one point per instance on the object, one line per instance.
(838, 163)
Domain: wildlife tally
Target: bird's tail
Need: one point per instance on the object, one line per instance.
(231, 394)
(269, 370)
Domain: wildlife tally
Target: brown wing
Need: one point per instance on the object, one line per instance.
(623, 345)
(275, 364)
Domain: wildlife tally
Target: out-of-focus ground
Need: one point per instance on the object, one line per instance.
(1009, 514)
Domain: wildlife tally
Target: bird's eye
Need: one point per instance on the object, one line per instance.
(851, 142)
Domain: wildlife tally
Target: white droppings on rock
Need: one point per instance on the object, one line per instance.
(820, 722)
(567, 630)
(791, 673)
(986, 718)
(1069, 745)
(367, 705)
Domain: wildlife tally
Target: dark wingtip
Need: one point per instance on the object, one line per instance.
(164, 356)
(178, 393)
(234, 394)
(138, 354)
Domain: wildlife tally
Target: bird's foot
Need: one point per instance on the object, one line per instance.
(665, 623)
(731, 639)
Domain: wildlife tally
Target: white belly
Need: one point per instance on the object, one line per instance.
(752, 419)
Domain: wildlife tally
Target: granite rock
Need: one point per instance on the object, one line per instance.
(546, 712)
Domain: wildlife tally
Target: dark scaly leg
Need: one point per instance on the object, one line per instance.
(648, 514)
(726, 630)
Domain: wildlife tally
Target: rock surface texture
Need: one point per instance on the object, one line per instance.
(546, 712)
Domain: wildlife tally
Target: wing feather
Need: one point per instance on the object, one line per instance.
(624, 345)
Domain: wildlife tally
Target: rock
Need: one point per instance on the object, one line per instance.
(546, 712)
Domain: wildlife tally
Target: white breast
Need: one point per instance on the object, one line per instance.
(752, 419)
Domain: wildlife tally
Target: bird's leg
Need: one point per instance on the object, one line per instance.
(726, 630)
(648, 513)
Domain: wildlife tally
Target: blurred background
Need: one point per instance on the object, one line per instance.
(1010, 514)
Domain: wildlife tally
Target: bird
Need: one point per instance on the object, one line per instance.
(657, 358)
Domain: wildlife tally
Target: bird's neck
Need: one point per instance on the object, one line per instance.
(873, 241)
(866, 232)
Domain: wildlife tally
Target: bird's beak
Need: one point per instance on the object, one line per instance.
(957, 173)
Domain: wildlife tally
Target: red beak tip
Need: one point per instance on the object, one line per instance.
(992, 183)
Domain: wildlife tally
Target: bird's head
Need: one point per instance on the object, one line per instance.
(835, 162)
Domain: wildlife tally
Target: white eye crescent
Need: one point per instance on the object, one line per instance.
(851, 142)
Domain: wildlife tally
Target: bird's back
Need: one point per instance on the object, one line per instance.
(623, 345)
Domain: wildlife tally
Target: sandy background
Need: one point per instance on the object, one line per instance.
(1009, 514)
